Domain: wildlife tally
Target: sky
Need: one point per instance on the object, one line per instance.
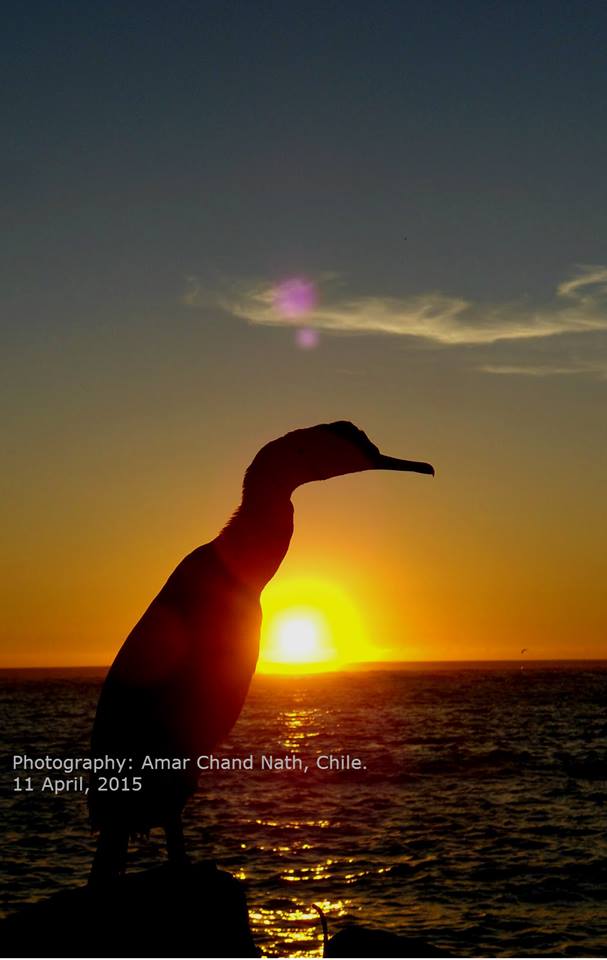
(435, 172)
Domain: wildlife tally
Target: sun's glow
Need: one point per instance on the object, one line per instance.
(309, 626)
(299, 636)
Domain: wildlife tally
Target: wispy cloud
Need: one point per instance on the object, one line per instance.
(596, 368)
(565, 336)
(579, 305)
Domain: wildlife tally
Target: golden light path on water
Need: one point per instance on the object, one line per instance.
(296, 728)
(292, 920)
(297, 924)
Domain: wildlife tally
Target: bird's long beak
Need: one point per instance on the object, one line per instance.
(393, 463)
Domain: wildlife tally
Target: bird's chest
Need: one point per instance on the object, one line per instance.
(221, 664)
(227, 628)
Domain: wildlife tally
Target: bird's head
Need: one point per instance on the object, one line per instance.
(317, 453)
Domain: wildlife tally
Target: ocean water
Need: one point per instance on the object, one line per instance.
(479, 823)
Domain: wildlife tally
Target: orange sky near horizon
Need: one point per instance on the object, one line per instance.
(467, 566)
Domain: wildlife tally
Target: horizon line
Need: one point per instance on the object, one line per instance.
(352, 665)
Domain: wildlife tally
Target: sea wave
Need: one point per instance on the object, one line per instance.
(479, 823)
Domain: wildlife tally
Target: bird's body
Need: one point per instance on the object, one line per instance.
(169, 696)
(180, 680)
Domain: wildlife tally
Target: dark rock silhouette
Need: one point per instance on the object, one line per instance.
(355, 941)
(180, 679)
(191, 911)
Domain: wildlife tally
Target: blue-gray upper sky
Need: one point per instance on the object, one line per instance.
(145, 141)
(437, 169)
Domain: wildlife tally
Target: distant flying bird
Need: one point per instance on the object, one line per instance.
(181, 677)
(524, 650)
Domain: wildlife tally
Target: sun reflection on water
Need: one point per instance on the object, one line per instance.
(294, 824)
(297, 727)
(295, 924)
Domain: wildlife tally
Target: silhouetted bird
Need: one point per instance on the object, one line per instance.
(180, 679)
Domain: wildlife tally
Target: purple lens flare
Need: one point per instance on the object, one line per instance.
(307, 338)
(294, 297)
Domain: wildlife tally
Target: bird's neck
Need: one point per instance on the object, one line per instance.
(256, 539)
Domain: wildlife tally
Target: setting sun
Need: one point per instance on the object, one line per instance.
(309, 625)
(298, 638)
